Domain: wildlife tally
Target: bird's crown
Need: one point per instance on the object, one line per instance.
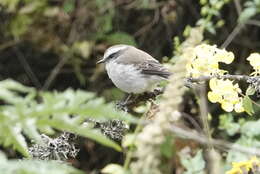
(114, 49)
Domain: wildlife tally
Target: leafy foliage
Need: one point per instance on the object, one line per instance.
(247, 104)
(250, 10)
(26, 112)
(194, 164)
(210, 10)
(227, 123)
(114, 168)
(34, 167)
(248, 132)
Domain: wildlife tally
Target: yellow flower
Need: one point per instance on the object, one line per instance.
(214, 97)
(225, 57)
(205, 60)
(227, 106)
(234, 171)
(226, 93)
(239, 167)
(239, 106)
(254, 60)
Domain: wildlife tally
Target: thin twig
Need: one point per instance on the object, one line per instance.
(54, 73)
(221, 144)
(192, 121)
(150, 25)
(238, 6)
(27, 68)
(8, 44)
(232, 35)
(203, 104)
(73, 35)
(253, 22)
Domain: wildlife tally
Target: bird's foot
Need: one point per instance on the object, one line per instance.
(125, 102)
(120, 105)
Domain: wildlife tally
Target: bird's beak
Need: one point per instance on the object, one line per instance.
(101, 61)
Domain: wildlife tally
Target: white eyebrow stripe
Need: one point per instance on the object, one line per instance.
(113, 50)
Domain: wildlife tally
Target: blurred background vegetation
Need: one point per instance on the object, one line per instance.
(40, 39)
(55, 44)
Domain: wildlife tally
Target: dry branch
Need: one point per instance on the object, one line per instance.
(221, 144)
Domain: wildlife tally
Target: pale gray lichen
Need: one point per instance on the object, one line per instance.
(60, 148)
(255, 83)
(113, 129)
(64, 146)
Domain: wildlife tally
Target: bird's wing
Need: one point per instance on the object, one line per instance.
(145, 62)
(151, 67)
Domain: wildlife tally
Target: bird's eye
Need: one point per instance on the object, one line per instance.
(112, 55)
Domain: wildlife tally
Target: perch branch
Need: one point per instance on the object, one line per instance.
(189, 82)
(253, 22)
(221, 144)
(227, 76)
(139, 99)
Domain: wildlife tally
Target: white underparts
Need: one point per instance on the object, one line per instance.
(129, 79)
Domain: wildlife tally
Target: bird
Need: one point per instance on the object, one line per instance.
(133, 70)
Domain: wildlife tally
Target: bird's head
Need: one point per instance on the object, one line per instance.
(113, 52)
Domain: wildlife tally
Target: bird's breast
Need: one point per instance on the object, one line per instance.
(127, 77)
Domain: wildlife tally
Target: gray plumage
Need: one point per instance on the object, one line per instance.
(145, 62)
(133, 70)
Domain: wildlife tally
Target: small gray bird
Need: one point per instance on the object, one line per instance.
(133, 70)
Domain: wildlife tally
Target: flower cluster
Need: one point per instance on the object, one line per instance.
(254, 60)
(205, 60)
(226, 93)
(245, 167)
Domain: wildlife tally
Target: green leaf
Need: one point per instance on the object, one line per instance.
(227, 123)
(69, 6)
(13, 85)
(251, 128)
(129, 140)
(248, 106)
(194, 164)
(31, 7)
(35, 167)
(11, 5)
(105, 25)
(83, 48)
(114, 169)
(3, 158)
(120, 38)
(28, 114)
(19, 25)
(246, 14)
(167, 147)
(250, 90)
(10, 134)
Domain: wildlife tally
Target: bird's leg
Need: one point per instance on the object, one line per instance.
(127, 98)
(122, 104)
